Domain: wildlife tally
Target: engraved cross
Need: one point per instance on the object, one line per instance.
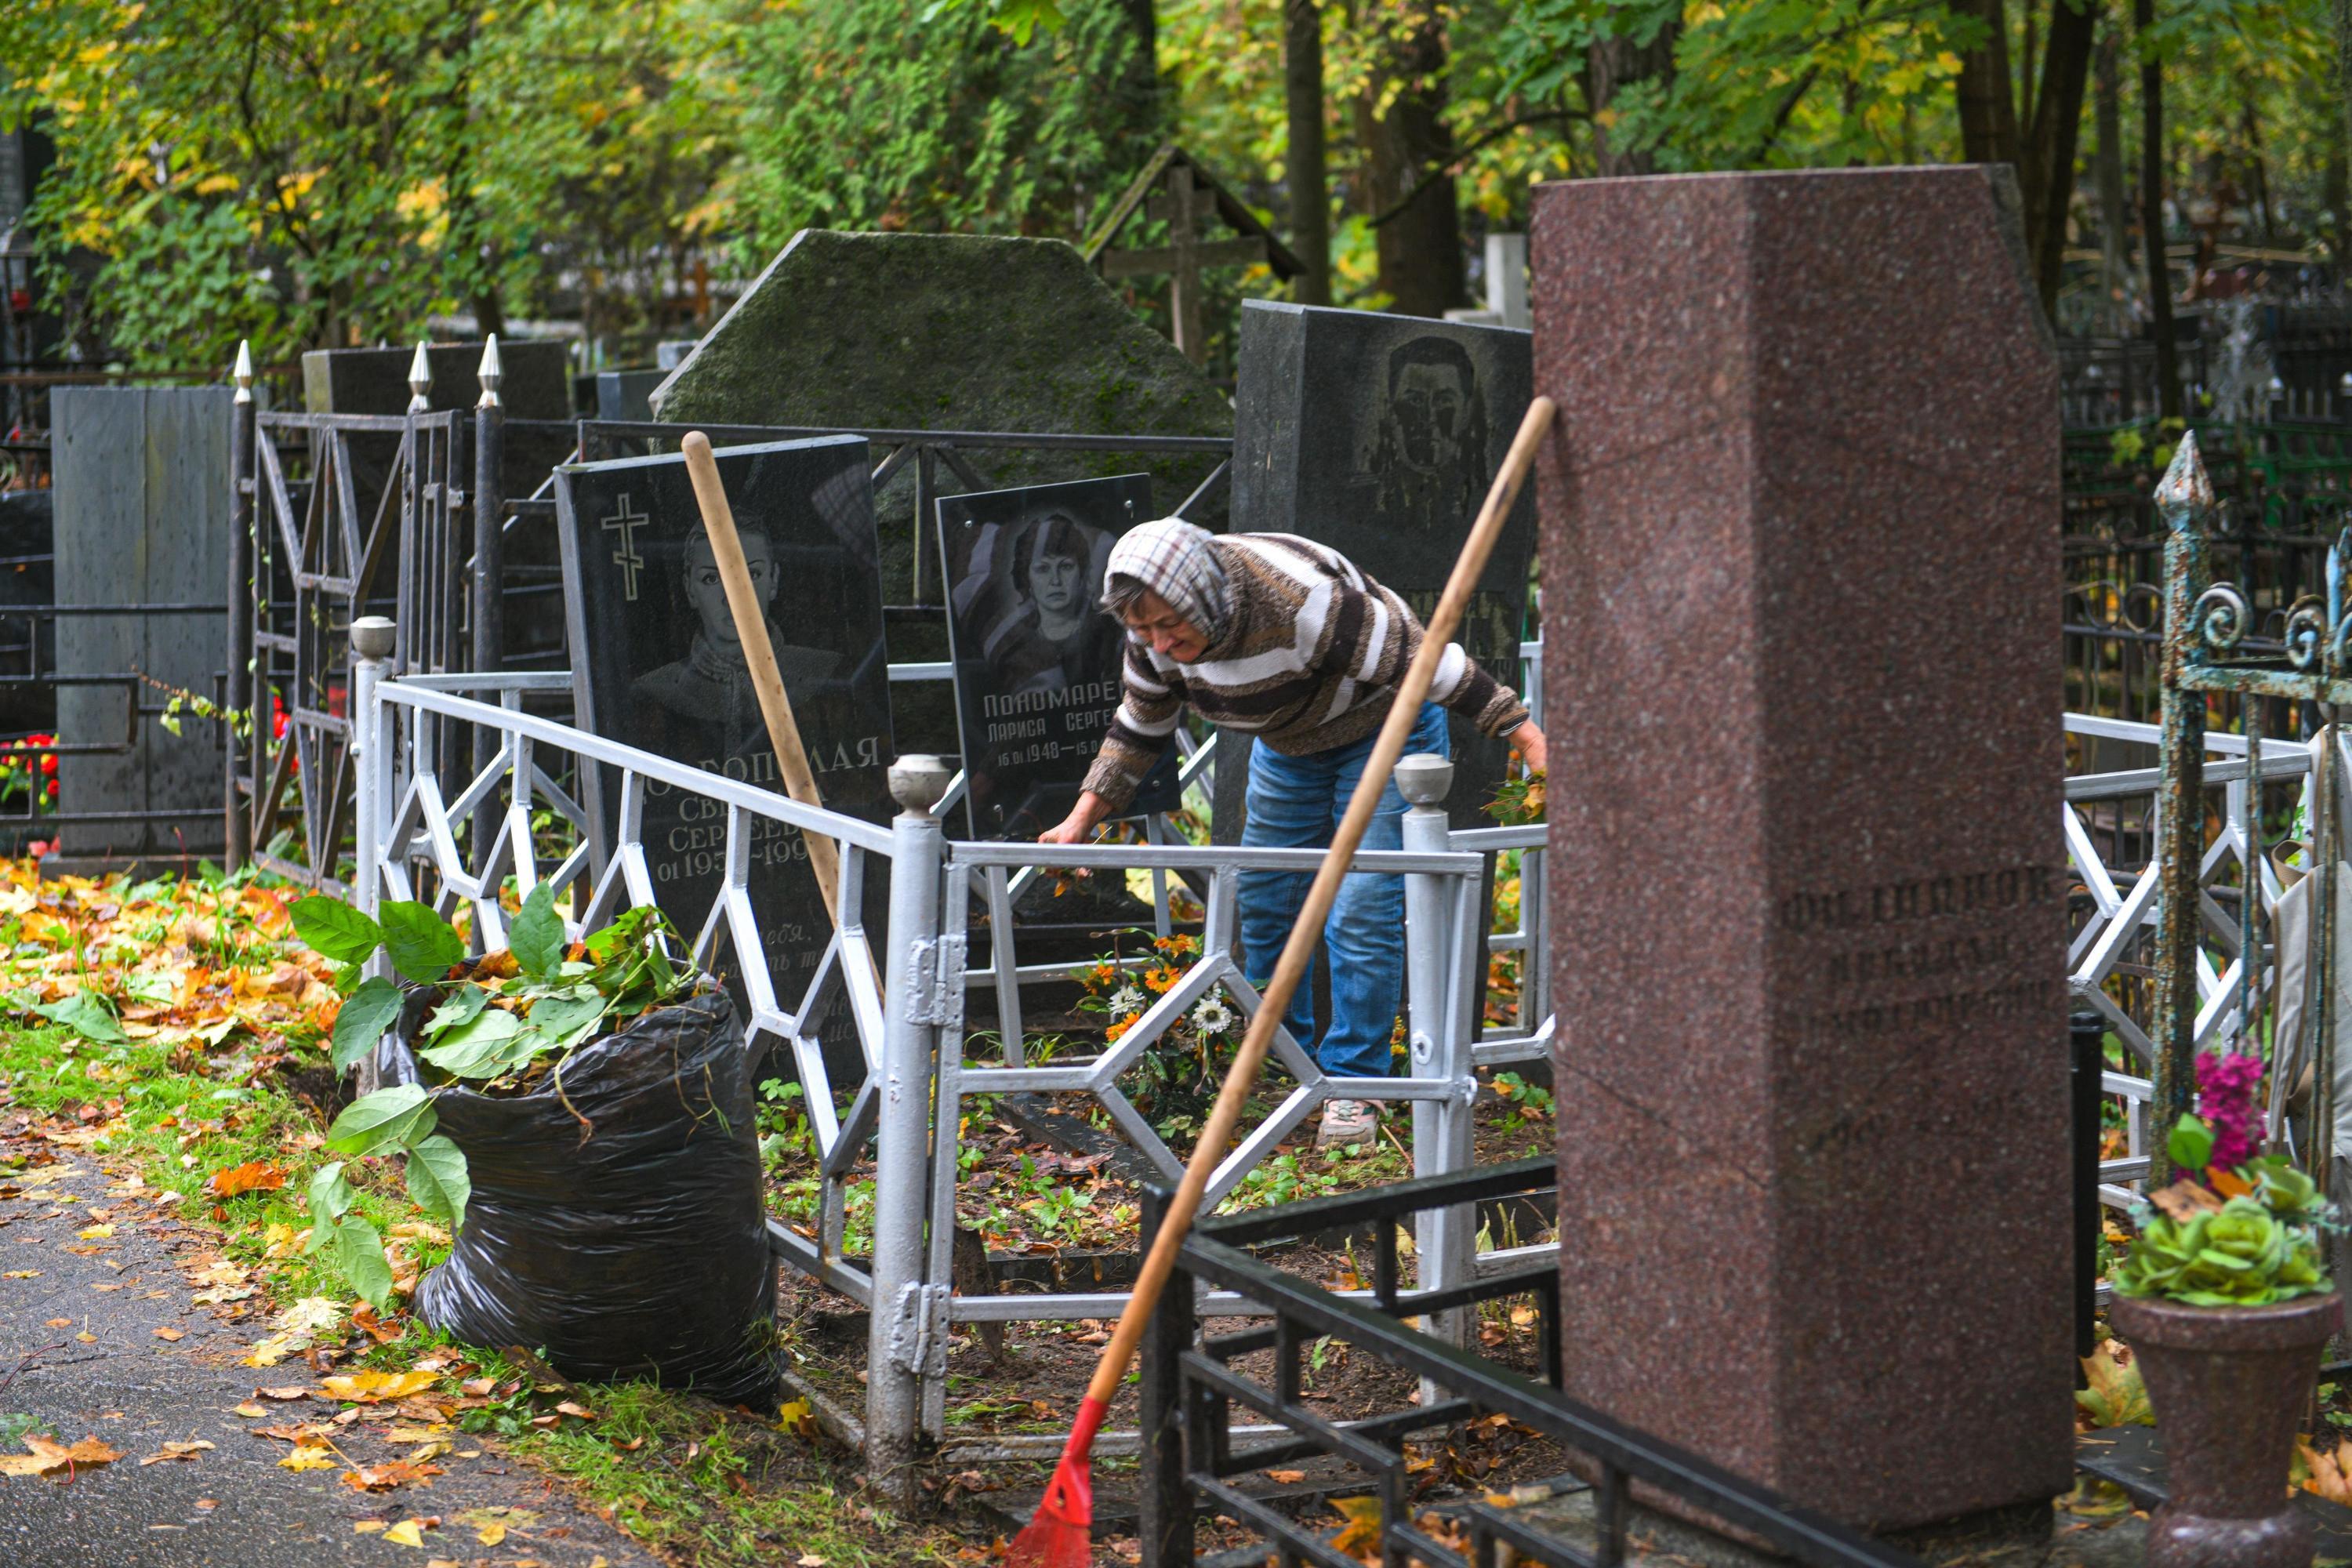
(625, 522)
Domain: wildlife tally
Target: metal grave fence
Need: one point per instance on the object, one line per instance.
(409, 733)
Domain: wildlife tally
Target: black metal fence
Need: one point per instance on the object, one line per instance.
(1189, 1387)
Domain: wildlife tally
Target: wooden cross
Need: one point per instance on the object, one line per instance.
(1175, 189)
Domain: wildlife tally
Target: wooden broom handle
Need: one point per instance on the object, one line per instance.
(1307, 931)
(752, 630)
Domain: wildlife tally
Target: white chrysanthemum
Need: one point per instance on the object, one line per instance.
(1127, 999)
(1211, 1016)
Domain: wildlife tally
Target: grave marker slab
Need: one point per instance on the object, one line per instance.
(1377, 435)
(947, 332)
(1801, 573)
(536, 383)
(142, 511)
(1036, 660)
(655, 664)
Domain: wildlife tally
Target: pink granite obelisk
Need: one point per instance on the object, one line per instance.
(1800, 572)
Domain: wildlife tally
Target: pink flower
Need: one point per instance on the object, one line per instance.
(2225, 1098)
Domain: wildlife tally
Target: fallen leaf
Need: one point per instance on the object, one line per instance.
(383, 1477)
(171, 1333)
(1285, 1478)
(368, 1526)
(369, 1387)
(1363, 1533)
(61, 1322)
(405, 1533)
(47, 1457)
(490, 1534)
(809, 1559)
(21, 1274)
(293, 1391)
(250, 1411)
(309, 1459)
(795, 1416)
(176, 1451)
(480, 1387)
(94, 1232)
(570, 1408)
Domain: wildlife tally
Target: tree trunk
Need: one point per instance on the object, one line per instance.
(1987, 110)
(2151, 216)
(1613, 63)
(1307, 162)
(2050, 150)
(1407, 185)
(2108, 176)
(1136, 92)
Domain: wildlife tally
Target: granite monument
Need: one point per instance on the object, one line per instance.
(1800, 561)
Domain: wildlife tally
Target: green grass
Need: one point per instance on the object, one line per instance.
(715, 1488)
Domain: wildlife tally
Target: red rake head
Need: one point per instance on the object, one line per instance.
(1060, 1531)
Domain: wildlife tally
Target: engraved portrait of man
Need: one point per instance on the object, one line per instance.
(1426, 452)
(706, 693)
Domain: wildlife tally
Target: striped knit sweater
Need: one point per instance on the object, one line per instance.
(1310, 662)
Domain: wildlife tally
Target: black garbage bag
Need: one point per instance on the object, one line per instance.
(634, 1246)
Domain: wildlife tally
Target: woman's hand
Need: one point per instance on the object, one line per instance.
(1530, 742)
(1079, 826)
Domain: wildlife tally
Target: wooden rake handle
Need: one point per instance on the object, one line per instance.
(1299, 950)
(767, 680)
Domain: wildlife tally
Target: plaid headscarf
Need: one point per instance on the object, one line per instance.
(1172, 558)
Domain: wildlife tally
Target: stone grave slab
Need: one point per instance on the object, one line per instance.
(536, 383)
(1377, 435)
(656, 665)
(1800, 519)
(622, 393)
(947, 332)
(141, 497)
(1036, 659)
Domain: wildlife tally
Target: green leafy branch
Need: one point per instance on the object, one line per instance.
(499, 1022)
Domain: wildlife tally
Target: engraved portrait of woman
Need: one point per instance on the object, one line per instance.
(1041, 628)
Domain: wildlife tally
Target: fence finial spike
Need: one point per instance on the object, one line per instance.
(490, 374)
(2185, 492)
(241, 373)
(420, 379)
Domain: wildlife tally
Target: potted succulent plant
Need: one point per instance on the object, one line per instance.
(2226, 1304)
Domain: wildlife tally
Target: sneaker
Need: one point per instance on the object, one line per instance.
(1347, 1121)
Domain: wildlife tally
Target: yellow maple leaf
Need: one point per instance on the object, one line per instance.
(405, 1533)
(367, 1388)
(1363, 1533)
(308, 1459)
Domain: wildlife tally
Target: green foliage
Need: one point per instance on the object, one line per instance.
(87, 1015)
(421, 944)
(512, 1016)
(885, 114)
(371, 1009)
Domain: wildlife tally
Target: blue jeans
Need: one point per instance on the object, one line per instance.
(1297, 803)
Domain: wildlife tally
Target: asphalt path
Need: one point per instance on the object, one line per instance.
(80, 1353)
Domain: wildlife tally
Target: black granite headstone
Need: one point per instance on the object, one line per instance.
(1036, 658)
(534, 384)
(656, 665)
(622, 393)
(1377, 435)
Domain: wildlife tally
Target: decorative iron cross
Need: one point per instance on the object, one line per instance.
(626, 557)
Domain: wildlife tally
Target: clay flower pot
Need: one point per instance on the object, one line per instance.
(2230, 1385)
